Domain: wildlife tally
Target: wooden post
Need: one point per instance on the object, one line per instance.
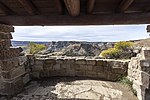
(148, 28)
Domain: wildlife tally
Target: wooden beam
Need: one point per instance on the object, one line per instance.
(73, 7)
(29, 7)
(90, 6)
(124, 5)
(6, 10)
(59, 6)
(147, 9)
(107, 19)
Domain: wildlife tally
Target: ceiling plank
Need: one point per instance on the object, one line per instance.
(124, 5)
(73, 7)
(90, 6)
(59, 6)
(6, 10)
(106, 19)
(29, 6)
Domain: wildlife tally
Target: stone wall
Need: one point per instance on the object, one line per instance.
(100, 68)
(13, 67)
(139, 72)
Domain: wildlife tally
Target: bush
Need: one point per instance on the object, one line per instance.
(121, 50)
(35, 48)
(111, 53)
(126, 81)
(123, 45)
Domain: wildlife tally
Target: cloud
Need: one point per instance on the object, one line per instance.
(80, 33)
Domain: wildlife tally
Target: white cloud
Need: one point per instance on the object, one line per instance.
(78, 33)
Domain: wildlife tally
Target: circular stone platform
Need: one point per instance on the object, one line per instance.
(66, 88)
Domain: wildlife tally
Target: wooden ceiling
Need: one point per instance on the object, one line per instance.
(74, 12)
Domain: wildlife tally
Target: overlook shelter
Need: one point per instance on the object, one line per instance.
(74, 12)
(16, 69)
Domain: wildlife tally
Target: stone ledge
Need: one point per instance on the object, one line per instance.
(12, 74)
(80, 67)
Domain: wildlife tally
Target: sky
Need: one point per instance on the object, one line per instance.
(99, 33)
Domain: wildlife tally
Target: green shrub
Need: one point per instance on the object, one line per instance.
(123, 45)
(111, 53)
(121, 50)
(126, 81)
(35, 48)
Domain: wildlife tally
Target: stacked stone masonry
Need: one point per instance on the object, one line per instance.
(100, 68)
(13, 67)
(139, 72)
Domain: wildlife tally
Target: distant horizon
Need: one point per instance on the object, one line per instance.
(71, 41)
(91, 33)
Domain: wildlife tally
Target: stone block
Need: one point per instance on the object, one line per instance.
(48, 67)
(22, 60)
(80, 61)
(26, 78)
(119, 71)
(91, 62)
(9, 64)
(31, 59)
(14, 73)
(113, 76)
(11, 87)
(60, 61)
(130, 72)
(91, 74)
(69, 60)
(88, 67)
(70, 72)
(101, 75)
(140, 90)
(101, 63)
(81, 67)
(5, 44)
(80, 73)
(35, 75)
(145, 53)
(144, 79)
(6, 28)
(50, 61)
(37, 68)
(116, 64)
(56, 67)
(66, 66)
(5, 35)
(61, 73)
(98, 68)
(12, 52)
(39, 62)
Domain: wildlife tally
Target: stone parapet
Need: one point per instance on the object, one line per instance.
(95, 68)
(139, 72)
(13, 67)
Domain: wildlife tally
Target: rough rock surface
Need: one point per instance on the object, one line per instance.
(68, 88)
(73, 48)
